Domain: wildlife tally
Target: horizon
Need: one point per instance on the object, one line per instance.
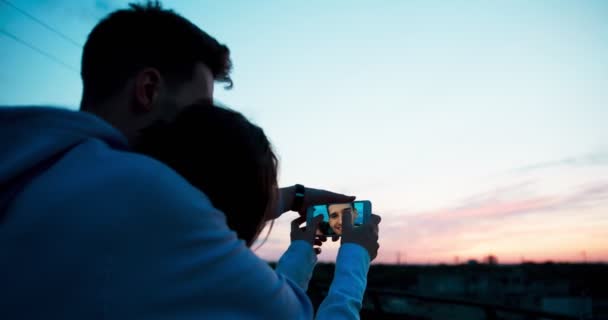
(474, 127)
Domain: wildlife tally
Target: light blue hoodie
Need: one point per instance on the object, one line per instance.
(104, 233)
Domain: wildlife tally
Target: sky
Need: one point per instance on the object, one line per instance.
(474, 127)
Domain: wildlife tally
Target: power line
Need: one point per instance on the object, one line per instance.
(40, 51)
(42, 23)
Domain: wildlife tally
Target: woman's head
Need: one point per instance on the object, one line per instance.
(224, 155)
(335, 212)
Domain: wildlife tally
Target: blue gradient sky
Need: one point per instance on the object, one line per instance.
(475, 127)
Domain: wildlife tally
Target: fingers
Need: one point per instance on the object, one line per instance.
(375, 229)
(335, 238)
(373, 251)
(347, 222)
(315, 224)
(316, 220)
(331, 197)
(317, 251)
(373, 223)
(375, 219)
(320, 196)
(318, 242)
(295, 223)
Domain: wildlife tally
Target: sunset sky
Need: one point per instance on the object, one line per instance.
(474, 127)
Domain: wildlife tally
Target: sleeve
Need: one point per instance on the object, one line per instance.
(297, 263)
(172, 256)
(345, 296)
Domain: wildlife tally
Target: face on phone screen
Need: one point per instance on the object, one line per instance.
(332, 216)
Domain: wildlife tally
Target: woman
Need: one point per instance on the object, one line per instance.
(232, 162)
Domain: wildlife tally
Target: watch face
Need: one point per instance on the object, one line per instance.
(300, 189)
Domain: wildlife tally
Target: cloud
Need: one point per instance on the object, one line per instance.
(501, 217)
(521, 188)
(598, 158)
(510, 201)
(494, 208)
(588, 195)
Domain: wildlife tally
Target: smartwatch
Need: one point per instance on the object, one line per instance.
(298, 198)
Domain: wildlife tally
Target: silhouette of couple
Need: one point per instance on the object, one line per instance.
(145, 203)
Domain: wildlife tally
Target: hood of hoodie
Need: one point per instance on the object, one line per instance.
(30, 135)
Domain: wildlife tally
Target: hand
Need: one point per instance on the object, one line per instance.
(365, 235)
(307, 234)
(311, 197)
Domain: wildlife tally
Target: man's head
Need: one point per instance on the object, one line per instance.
(335, 212)
(142, 64)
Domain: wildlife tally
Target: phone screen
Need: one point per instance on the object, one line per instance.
(332, 216)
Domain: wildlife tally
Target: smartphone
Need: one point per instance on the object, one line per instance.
(331, 225)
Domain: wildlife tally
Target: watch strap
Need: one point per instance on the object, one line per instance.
(298, 197)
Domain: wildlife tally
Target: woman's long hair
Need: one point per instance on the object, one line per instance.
(225, 156)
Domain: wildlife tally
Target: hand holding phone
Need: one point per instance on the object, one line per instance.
(352, 221)
(307, 233)
(304, 233)
(365, 236)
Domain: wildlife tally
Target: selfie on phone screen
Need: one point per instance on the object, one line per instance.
(332, 224)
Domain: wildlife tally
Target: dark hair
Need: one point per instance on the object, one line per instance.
(146, 35)
(224, 155)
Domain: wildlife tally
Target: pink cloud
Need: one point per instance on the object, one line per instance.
(501, 222)
(491, 209)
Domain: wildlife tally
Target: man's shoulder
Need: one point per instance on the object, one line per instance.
(134, 189)
(121, 175)
(124, 166)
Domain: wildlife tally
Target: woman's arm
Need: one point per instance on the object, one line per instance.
(359, 247)
(298, 262)
(345, 295)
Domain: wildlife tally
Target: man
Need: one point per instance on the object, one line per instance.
(336, 212)
(90, 229)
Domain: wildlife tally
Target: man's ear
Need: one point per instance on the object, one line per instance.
(147, 89)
